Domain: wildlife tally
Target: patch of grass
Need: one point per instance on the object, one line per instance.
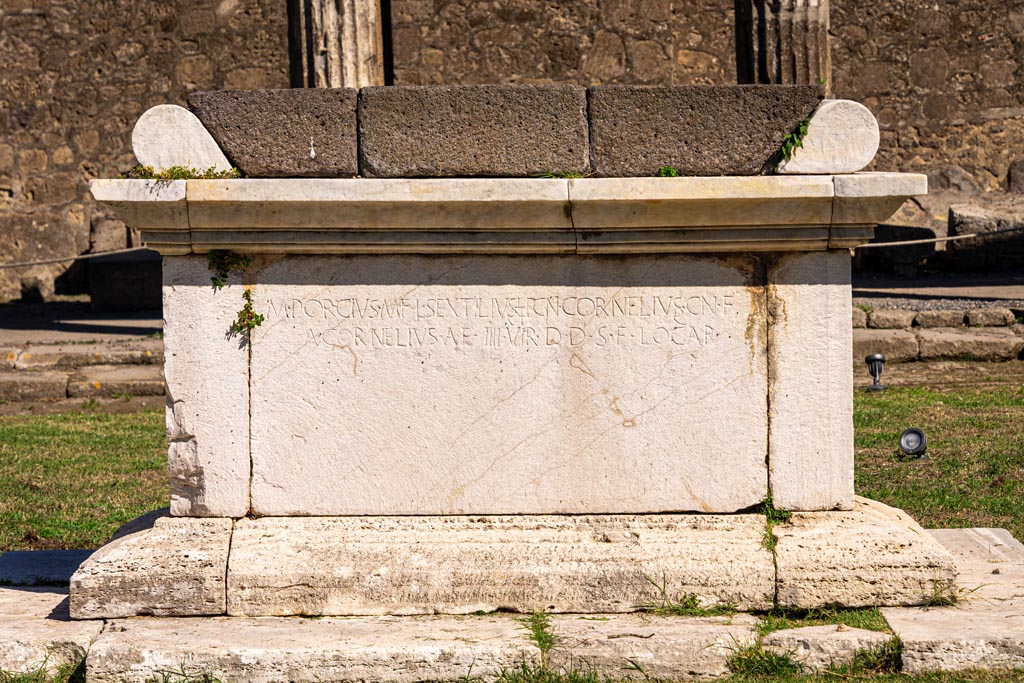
(180, 173)
(779, 619)
(875, 660)
(689, 605)
(183, 675)
(867, 308)
(69, 480)
(535, 673)
(753, 662)
(68, 673)
(974, 474)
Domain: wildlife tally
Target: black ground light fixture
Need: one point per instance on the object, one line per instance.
(913, 442)
(876, 363)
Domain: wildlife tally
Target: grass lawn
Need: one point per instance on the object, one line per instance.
(69, 480)
(974, 473)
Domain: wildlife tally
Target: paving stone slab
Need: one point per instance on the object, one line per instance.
(39, 567)
(472, 130)
(71, 356)
(281, 133)
(117, 380)
(819, 647)
(164, 566)
(897, 345)
(872, 555)
(699, 130)
(420, 565)
(951, 639)
(997, 343)
(36, 633)
(860, 318)
(991, 567)
(33, 386)
(940, 318)
(985, 629)
(891, 318)
(410, 649)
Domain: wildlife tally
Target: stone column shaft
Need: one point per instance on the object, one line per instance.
(783, 42)
(335, 43)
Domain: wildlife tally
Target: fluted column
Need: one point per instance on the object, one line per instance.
(335, 43)
(783, 42)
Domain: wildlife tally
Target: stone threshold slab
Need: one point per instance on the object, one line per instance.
(412, 649)
(341, 566)
(510, 215)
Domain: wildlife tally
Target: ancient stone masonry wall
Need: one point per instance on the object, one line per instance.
(545, 41)
(945, 80)
(75, 75)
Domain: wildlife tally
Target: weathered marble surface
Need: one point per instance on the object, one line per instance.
(422, 565)
(159, 565)
(411, 650)
(810, 450)
(871, 555)
(502, 385)
(168, 135)
(842, 137)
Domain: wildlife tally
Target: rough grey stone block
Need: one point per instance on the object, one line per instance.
(472, 130)
(990, 317)
(940, 318)
(896, 345)
(700, 130)
(309, 133)
(891, 319)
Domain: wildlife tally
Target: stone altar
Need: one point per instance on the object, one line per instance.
(510, 393)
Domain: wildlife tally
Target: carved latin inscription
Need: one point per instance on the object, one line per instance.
(494, 385)
(683, 320)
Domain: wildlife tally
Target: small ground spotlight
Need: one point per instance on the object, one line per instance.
(913, 442)
(876, 363)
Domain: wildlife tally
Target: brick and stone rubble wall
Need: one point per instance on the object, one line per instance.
(75, 75)
(945, 81)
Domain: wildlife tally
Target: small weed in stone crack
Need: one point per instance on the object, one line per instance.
(221, 262)
(773, 516)
(541, 634)
(248, 319)
(944, 594)
(667, 172)
(562, 174)
(535, 673)
(688, 605)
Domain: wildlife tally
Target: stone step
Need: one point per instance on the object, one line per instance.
(940, 343)
(984, 630)
(17, 387)
(72, 356)
(111, 381)
(413, 649)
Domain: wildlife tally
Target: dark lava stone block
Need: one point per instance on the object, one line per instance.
(305, 133)
(472, 130)
(701, 130)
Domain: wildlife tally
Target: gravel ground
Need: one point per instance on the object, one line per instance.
(939, 304)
